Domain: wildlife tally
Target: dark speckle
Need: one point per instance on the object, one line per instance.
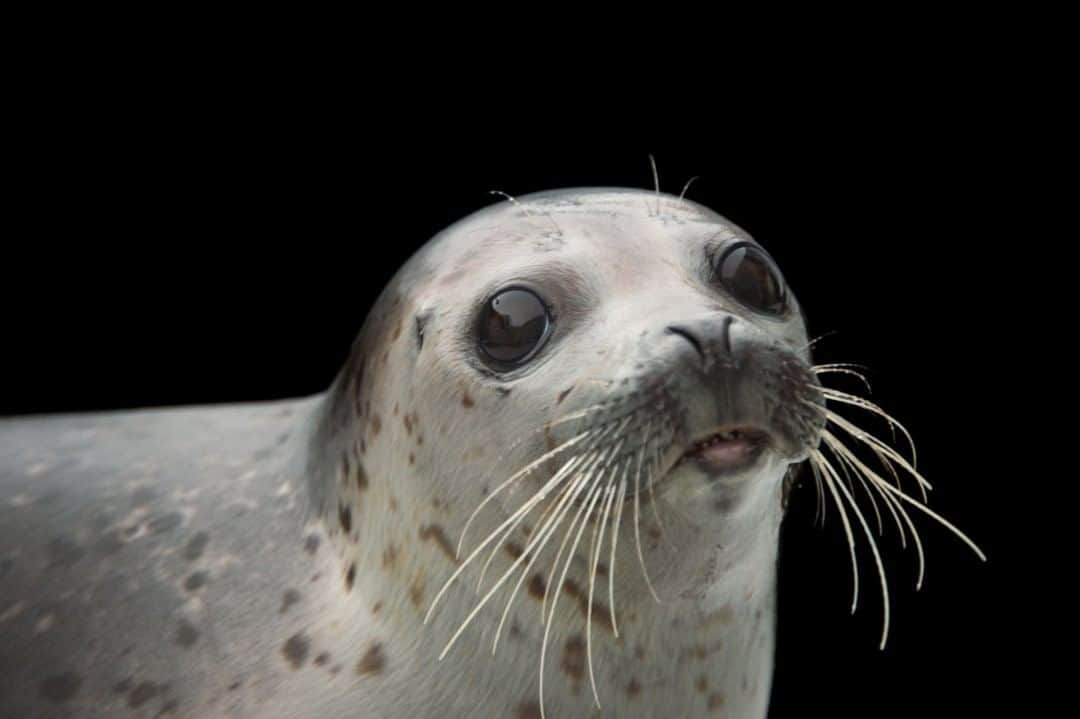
(5, 566)
(63, 552)
(311, 544)
(165, 523)
(296, 650)
(168, 708)
(633, 688)
(195, 581)
(143, 495)
(59, 688)
(122, 687)
(142, 694)
(350, 577)
(186, 634)
(235, 685)
(528, 710)
(196, 545)
(110, 542)
(289, 598)
(562, 395)
(466, 400)
(373, 662)
(573, 661)
(345, 517)
(322, 659)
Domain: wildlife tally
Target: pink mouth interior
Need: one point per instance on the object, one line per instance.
(726, 450)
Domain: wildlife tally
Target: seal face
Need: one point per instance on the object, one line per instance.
(562, 437)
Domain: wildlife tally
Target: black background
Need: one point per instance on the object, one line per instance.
(221, 239)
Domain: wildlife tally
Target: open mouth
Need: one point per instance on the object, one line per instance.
(726, 450)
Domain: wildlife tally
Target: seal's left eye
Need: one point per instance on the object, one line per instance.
(750, 275)
(513, 326)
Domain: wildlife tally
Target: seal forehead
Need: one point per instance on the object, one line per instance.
(565, 222)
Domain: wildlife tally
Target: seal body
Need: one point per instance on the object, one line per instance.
(357, 553)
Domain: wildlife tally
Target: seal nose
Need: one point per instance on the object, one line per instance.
(701, 346)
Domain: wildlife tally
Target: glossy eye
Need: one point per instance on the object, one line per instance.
(513, 326)
(750, 275)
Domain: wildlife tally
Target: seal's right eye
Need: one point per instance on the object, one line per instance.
(513, 326)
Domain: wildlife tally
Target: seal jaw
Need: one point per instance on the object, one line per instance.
(726, 450)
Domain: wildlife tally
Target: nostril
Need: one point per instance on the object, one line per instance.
(725, 332)
(689, 337)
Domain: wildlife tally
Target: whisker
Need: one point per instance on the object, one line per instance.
(479, 605)
(547, 590)
(526, 507)
(876, 553)
(852, 400)
(614, 542)
(842, 369)
(541, 536)
(656, 182)
(524, 471)
(687, 187)
(598, 530)
(583, 513)
(826, 469)
(637, 523)
(873, 442)
(848, 469)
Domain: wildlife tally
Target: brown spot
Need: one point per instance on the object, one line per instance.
(186, 634)
(536, 586)
(562, 395)
(373, 661)
(436, 532)
(393, 503)
(633, 688)
(375, 609)
(416, 592)
(654, 533)
(466, 400)
(702, 684)
(639, 651)
(407, 420)
(322, 659)
(601, 569)
(389, 557)
(122, 686)
(573, 659)
(397, 331)
(601, 614)
(376, 425)
(59, 688)
(345, 517)
(723, 615)
(235, 685)
(395, 409)
(289, 598)
(716, 700)
(361, 478)
(296, 649)
(514, 550)
(142, 694)
(528, 710)
(419, 440)
(311, 544)
(195, 581)
(350, 577)
(412, 458)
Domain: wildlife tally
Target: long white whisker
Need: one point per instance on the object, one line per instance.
(614, 542)
(827, 473)
(479, 605)
(873, 442)
(598, 531)
(583, 513)
(877, 561)
(637, 523)
(864, 404)
(527, 469)
(540, 537)
(879, 482)
(524, 509)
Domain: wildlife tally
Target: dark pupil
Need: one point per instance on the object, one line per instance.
(749, 276)
(512, 324)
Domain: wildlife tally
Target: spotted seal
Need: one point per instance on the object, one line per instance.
(548, 481)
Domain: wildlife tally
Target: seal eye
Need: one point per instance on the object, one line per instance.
(750, 275)
(513, 326)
